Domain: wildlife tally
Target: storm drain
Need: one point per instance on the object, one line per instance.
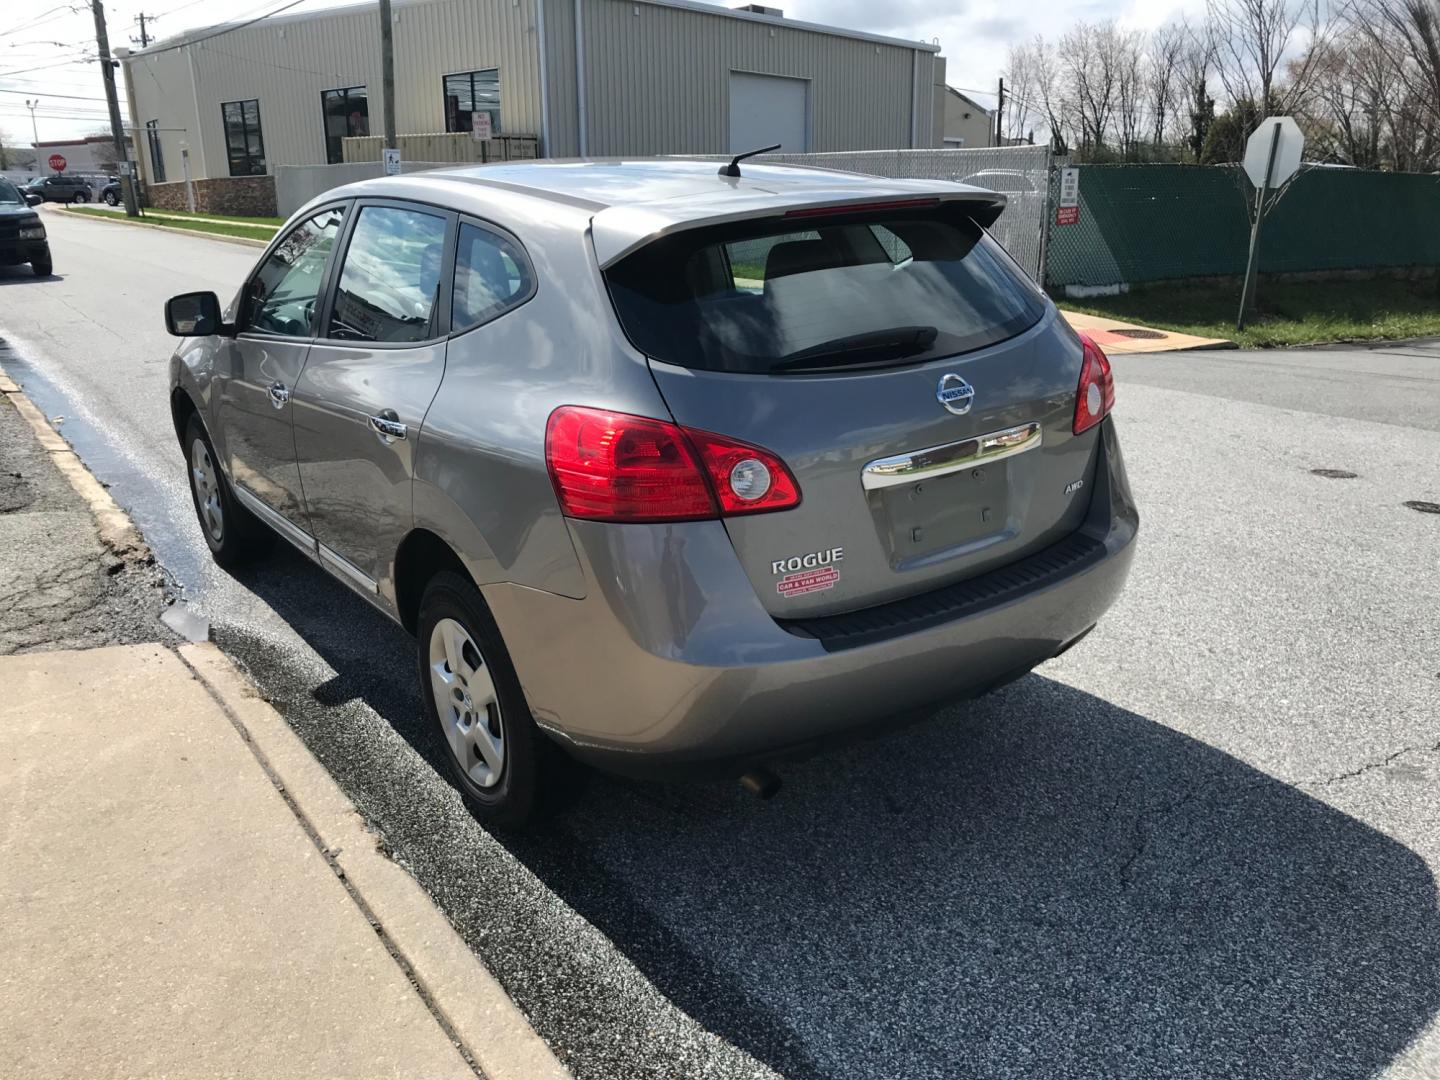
(1137, 332)
(1334, 474)
(1423, 507)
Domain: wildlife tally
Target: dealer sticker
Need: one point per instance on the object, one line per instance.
(815, 571)
(808, 581)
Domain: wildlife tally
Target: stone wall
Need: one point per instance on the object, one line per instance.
(245, 196)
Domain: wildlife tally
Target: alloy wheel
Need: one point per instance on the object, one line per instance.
(467, 703)
(207, 490)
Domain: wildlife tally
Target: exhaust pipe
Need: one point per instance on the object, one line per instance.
(761, 782)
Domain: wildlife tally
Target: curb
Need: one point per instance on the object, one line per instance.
(115, 219)
(470, 1005)
(117, 532)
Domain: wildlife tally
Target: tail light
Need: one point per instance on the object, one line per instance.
(609, 466)
(1095, 396)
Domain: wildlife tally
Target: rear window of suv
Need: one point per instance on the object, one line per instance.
(788, 295)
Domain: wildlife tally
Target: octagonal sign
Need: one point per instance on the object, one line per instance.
(1287, 153)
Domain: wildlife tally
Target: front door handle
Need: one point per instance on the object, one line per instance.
(279, 395)
(387, 425)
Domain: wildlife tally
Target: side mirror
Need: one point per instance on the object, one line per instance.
(195, 314)
(31, 199)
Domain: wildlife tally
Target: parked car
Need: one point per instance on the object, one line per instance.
(22, 233)
(61, 188)
(666, 468)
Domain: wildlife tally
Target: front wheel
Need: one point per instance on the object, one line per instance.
(111, 198)
(231, 532)
(498, 758)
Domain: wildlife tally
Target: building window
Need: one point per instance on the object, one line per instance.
(468, 93)
(243, 142)
(157, 157)
(347, 116)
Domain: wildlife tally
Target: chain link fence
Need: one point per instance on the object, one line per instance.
(1020, 172)
(1142, 223)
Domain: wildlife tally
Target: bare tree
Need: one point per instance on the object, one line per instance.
(1090, 67)
(1021, 112)
(1165, 56)
(1411, 29)
(1045, 76)
(1350, 110)
(1128, 48)
(1251, 40)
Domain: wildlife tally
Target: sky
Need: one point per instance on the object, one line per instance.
(43, 44)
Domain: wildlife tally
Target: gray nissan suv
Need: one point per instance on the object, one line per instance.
(662, 465)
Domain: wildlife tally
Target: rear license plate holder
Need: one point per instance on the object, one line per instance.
(942, 512)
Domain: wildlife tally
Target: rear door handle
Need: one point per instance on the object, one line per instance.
(387, 425)
(279, 395)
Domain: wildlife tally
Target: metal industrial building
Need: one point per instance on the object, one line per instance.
(586, 77)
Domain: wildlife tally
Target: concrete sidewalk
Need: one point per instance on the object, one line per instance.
(1115, 336)
(184, 890)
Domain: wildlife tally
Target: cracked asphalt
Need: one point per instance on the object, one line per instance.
(1201, 844)
(60, 588)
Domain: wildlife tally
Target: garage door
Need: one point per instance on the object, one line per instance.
(768, 109)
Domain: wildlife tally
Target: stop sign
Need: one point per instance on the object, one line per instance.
(57, 162)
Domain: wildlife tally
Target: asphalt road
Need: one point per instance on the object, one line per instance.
(1203, 843)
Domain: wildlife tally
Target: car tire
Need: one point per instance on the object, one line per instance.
(463, 657)
(233, 534)
(111, 199)
(42, 267)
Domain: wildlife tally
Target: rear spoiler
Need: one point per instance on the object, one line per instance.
(618, 231)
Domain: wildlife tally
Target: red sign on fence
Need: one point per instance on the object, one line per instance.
(1067, 215)
(57, 162)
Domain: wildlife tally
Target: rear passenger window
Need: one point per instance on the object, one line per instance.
(492, 276)
(390, 279)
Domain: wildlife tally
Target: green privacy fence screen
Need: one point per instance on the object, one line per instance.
(1143, 223)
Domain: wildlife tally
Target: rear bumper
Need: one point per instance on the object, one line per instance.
(671, 659)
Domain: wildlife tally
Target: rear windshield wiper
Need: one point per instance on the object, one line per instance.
(875, 346)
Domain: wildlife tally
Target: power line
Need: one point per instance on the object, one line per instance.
(72, 8)
(228, 29)
(48, 94)
(47, 67)
(182, 7)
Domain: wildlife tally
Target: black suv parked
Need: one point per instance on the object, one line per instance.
(61, 188)
(22, 234)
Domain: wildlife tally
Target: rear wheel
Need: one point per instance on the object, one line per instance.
(233, 534)
(498, 758)
(42, 267)
(79, 197)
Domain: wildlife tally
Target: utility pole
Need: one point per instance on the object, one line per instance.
(387, 75)
(144, 33)
(1000, 115)
(117, 131)
(34, 130)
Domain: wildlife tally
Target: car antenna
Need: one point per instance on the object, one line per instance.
(733, 169)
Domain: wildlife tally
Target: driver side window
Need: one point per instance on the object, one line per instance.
(282, 296)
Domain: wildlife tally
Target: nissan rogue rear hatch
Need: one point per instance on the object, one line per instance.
(912, 379)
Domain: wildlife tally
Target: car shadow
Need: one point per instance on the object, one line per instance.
(1036, 884)
(23, 275)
